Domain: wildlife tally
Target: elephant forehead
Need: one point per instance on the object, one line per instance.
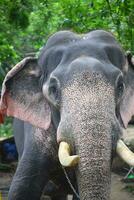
(88, 88)
(86, 100)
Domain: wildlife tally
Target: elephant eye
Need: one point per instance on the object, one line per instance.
(53, 91)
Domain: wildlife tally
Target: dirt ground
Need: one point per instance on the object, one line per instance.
(119, 191)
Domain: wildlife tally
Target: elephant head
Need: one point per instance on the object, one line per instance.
(82, 84)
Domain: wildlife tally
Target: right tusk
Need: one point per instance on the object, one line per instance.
(124, 152)
(64, 155)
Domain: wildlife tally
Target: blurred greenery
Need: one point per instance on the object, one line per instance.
(130, 188)
(25, 25)
(6, 129)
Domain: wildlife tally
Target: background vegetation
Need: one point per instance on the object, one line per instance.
(25, 25)
(6, 129)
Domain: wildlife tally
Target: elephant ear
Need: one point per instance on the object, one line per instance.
(22, 96)
(127, 104)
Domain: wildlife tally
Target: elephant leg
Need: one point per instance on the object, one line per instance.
(29, 180)
(52, 189)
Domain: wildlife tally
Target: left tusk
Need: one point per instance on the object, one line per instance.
(64, 155)
(124, 152)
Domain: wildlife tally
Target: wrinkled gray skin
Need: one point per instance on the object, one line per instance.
(35, 159)
(82, 79)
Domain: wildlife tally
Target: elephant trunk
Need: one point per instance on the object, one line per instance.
(93, 144)
(87, 123)
(93, 172)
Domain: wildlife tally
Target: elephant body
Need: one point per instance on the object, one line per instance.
(78, 97)
(31, 152)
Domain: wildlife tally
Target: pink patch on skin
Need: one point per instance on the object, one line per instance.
(15, 109)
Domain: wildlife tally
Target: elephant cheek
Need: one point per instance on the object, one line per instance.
(64, 133)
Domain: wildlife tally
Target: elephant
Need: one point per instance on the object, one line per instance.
(77, 97)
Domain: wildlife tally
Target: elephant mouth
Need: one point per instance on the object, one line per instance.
(68, 160)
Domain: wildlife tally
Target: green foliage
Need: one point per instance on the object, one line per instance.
(26, 25)
(14, 18)
(130, 188)
(6, 128)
